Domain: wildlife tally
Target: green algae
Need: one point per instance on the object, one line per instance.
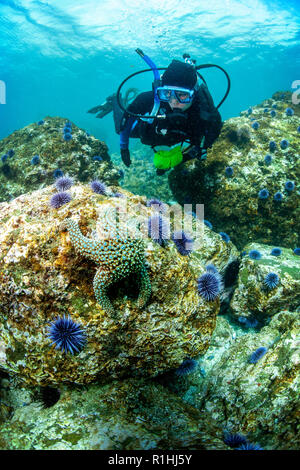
(244, 275)
(72, 437)
(18, 353)
(79, 304)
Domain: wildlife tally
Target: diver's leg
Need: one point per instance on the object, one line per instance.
(104, 108)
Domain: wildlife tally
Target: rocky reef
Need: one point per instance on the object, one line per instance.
(114, 336)
(32, 157)
(255, 397)
(249, 183)
(256, 299)
(131, 415)
(43, 277)
(140, 177)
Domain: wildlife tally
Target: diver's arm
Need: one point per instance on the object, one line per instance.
(210, 116)
(213, 129)
(139, 106)
(124, 140)
(125, 132)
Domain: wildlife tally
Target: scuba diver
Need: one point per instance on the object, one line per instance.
(178, 110)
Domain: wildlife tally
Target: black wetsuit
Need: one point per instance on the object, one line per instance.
(201, 119)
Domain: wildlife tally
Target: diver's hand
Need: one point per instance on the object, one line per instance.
(125, 155)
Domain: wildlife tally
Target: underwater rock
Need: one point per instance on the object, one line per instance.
(42, 277)
(259, 400)
(140, 177)
(233, 204)
(256, 299)
(132, 415)
(74, 157)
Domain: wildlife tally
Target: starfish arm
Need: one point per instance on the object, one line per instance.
(83, 245)
(102, 281)
(145, 288)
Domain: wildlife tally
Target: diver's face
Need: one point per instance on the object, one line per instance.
(175, 104)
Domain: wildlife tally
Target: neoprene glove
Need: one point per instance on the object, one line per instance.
(125, 155)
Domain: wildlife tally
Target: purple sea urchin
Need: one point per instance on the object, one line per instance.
(225, 237)
(209, 286)
(98, 187)
(234, 440)
(35, 160)
(211, 269)
(258, 354)
(229, 171)
(284, 144)
(268, 159)
(67, 335)
(157, 205)
(289, 112)
(58, 173)
(208, 224)
(289, 185)
(271, 281)
(278, 196)
(67, 136)
(254, 254)
(183, 242)
(187, 366)
(97, 158)
(276, 252)
(263, 194)
(59, 199)
(249, 446)
(63, 183)
(158, 229)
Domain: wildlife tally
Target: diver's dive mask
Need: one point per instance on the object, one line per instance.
(183, 95)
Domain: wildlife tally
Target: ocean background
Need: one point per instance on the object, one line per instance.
(62, 58)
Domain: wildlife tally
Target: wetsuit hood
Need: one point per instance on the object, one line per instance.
(180, 74)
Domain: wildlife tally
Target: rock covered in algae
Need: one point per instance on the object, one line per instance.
(133, 415)
(30, 157)
(42, 278)
(236, 170)
(261, 399)
(253, 297)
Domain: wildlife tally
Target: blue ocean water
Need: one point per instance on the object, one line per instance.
(62, 58)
